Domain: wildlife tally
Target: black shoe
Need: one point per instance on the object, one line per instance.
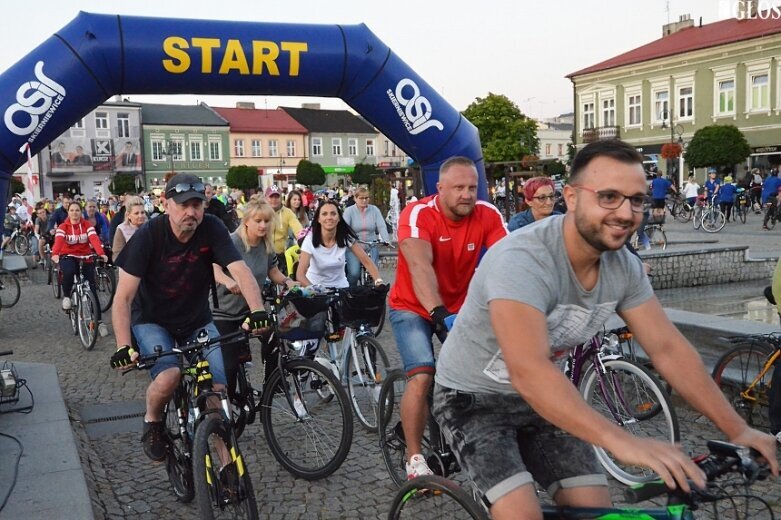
(229, 480)
(155, 444)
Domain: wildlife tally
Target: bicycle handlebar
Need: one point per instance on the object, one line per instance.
(193, 346)
(724, 458)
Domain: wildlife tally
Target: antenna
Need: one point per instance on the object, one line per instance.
(667, 8)
(265, 104)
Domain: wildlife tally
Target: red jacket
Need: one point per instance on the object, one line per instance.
(78, 239)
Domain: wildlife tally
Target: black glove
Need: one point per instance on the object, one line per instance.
(438, 315)
(122, 357)
(258, 320)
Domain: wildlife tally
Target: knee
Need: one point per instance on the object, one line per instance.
(419, 385)
(167, 380)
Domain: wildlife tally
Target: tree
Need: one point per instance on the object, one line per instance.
(309, 173)
(555, 168)
(717, 145)
(363, 173)
(17, 186)
(242, 177)
(505, 133)
(123, 184)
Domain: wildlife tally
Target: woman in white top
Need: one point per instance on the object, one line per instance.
(322, 260)
(135, 216)
(690, 190)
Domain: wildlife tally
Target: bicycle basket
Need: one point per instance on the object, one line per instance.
(363, 305)
(303, 317)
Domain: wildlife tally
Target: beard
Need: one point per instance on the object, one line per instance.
(598, 235)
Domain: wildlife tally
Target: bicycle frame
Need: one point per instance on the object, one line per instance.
(748, 393)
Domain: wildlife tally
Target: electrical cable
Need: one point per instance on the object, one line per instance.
(16, 468)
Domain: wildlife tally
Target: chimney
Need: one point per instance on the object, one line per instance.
(684, 21)
(245, 104)
(311, 106)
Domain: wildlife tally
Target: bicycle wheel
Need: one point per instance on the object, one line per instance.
(243, 403)
(104, 285)
(713, 220)
(740, 368)
(366, 367)
(10, 290)
(21, 244)
(743, 212)
(177, 462)
(223, 487)
(56, 281)
(771, 222)
(656, 237)
(308, 437)
(87, 310)
(432, 496)
(697, 217)
(685, 213)
(625, 394)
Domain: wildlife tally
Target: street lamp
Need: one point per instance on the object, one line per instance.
(667, 115)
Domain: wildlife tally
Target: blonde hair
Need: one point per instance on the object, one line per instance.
(361, 190)
(132, 201)
(257, 204)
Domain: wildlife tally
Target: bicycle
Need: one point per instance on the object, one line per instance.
(742, 204)
(678, 207)
(435, 497)
(699, 208)
(303, 409)
(744, 375)
(84, 309)
(773, 214)
(198, 435)
(105, 282)
(713, 219)
(621, 340)
(20, 239)
(53, 276)
(657, 238)
(10, 288)
(366, 280)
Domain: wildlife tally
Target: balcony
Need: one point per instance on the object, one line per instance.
(602, 133)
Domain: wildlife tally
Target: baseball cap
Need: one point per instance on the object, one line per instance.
(728, 179)
(273, 190)
(712, 170)
(183, 187)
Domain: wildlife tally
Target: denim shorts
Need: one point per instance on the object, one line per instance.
(413, 339)
(503, 444)
(149, 335)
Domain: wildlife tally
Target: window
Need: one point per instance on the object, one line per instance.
(77, 130)
(387, 148)
(257, 148)
(317, 146)
(588, 115)
(635, 106)
(238, 147)
(195, 151)
(336, 146)
(685, 102)
(370, 147)
(101, 124)
(547, 149)
(726, 96)
(273, 150)
(177, 149)
(123, 124)
(291, 148)
(215, 149)
(561, 149)
(158, 150)
(609, 112)
(661, 105)
(760, 92)
(352, 146)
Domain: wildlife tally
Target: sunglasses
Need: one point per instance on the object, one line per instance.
(185, 187)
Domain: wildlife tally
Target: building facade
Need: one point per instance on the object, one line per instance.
(180, 138)
(727, 72)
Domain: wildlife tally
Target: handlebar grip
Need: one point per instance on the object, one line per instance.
(6, 352)
(646, 491)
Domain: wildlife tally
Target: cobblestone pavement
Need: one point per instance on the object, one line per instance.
(762, 243)
(124, 484)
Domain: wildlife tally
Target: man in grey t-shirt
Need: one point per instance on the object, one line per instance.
(509, 412)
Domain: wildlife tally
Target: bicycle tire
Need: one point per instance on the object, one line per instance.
(177, 462)
(10, 288)
(105, 287)
(713, 220)
(685, 213)
(21, 244)
(656, 237)
(743, 213)
(771, 222)
(86, 311)
(697, 217)
(380, 324)
(56, 282)
(433, 497)
(736, 370)
(243, 404)
(630, 392)
(364, 383)
(212, 499)
(392, 444)
(296, 439)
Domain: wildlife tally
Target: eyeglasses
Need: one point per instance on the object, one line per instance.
(183, 187)
(611, 199)
(363, 198)
(545, 198)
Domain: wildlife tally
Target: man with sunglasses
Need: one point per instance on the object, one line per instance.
(501, 398)
(165, 275)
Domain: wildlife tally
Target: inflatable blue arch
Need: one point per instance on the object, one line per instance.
(97, 56)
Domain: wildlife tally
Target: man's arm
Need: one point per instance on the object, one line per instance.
(247, 284)
(420, 261)
(521, 331)
(126, 290)
(680, 364)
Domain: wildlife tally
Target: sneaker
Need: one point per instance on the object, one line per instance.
(229, 480)
(102, 330)
(765, 228)
(154, 442)
(66, 303)
(417, 467)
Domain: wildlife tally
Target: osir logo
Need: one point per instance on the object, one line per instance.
(34, 98)
(415, 110)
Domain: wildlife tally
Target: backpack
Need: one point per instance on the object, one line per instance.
(157, 227)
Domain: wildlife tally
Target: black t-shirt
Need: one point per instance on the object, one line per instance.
(174, 289)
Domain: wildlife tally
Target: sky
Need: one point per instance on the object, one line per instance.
(519, 48)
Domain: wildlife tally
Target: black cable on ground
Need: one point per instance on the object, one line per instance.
(16, 468)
